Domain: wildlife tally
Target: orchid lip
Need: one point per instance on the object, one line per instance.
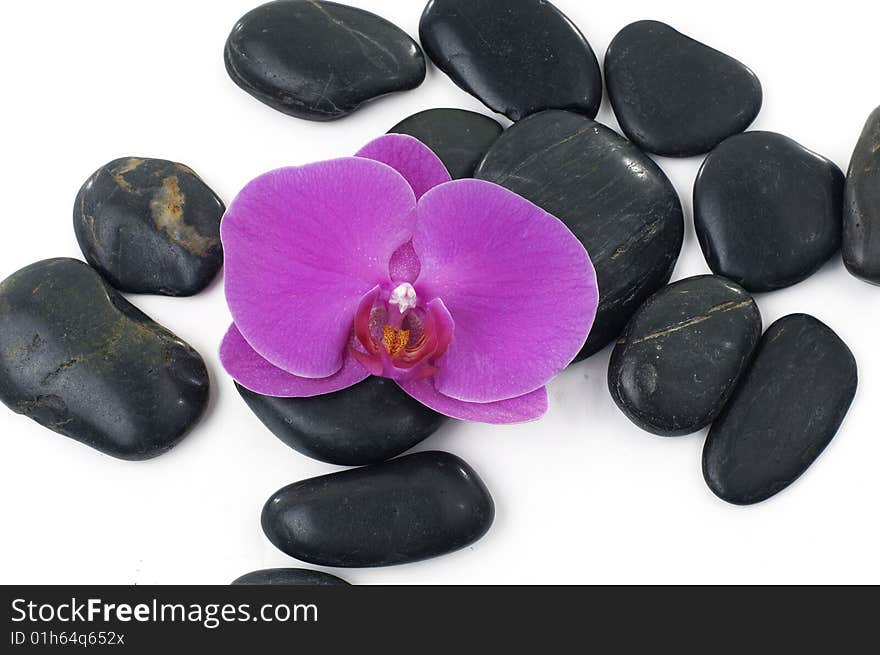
(399, 338)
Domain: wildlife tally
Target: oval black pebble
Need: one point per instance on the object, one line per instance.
(517, 56)
(79, 359)
(411, 508)
(364, 424)
(150, 226)
(612, 196)
(767, 210)
(675, 96)
(320, 60)
(458, 137)
(787, 408)
(290, 577)
(682, 353)
(861, 208)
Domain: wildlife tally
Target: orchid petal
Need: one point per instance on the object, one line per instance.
(409, 157)
(253, 372)
(302, 246)
(528, 407)
(519, 285)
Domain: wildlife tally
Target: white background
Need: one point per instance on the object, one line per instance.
(582, 496)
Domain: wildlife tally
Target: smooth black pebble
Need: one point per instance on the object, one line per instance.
(320, 60)
(861, 207)
(411, 508)
(787, 408)
(682, 353)
(767, 210)
(458, 137)
(612, 196)
(79, 359)
(518, 57)
(365, 424)
(150, 226)
(290, 578)
(675, 96)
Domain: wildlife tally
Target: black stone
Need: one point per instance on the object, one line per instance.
(411, 508)
(364, 424)
(320, 60)
(613, 197)
(290, 577)
(767, 210)
(458, 137)
(675, 96)
(79, 359)
(150, 226)
(681, 354)
(861, 207)
(787, 408)
(518, 57)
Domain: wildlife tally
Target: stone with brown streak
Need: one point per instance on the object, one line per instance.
(150, 226)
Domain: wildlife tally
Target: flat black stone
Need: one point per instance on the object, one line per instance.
(787, 408)
(411, 508)
(320, 60)
(290, 577)
(612, 196)
(517, 56)
(79, 359)
(861, 207)
(682, 353)
(364, 424)
(767, 210)
(458, 137)
(675, 96)
(150, 226)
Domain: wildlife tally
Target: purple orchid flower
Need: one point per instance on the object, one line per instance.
(467, 295)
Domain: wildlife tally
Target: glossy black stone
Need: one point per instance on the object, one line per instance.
(787, 408)
(767, 210)
(458, 137)
(411, 508)
(290, 577)
(364, 424)
(320, 60)
(518, 57)
(682, 353)
(79, 359)
(675, 96)
(150, 226)
(613, 197)
(861, 207)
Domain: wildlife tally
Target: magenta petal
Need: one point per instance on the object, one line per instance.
(409, 157)
(519, 285)
(253, 372)
(528, 407)
(302, 246)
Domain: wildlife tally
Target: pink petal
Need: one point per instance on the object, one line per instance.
(519, 285)
(409, 157)
(302, 246)
(528, 407)
(253, 372)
